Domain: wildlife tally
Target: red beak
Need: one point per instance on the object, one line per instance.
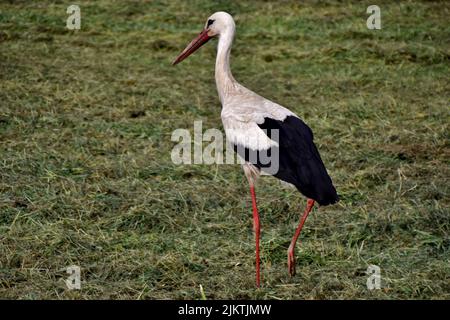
(200, 40)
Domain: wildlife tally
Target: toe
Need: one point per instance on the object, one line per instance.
(291, 265)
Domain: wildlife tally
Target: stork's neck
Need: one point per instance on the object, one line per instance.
(224, 79)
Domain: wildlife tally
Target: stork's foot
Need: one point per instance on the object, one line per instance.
(291, 262)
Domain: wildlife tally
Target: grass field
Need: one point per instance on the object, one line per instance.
(86, 177)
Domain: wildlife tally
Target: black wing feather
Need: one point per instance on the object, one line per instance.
(299, 160)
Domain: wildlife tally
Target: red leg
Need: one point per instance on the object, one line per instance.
(256, 228)
(291, 254)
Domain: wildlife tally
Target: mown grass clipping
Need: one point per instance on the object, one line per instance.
(86, 176)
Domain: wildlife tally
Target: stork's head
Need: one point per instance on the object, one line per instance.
(217, 24)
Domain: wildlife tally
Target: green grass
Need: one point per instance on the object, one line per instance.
(86, 177)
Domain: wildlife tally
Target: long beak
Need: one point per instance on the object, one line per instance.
(200, 40)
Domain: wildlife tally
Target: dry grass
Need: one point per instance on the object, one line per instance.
(85, 171)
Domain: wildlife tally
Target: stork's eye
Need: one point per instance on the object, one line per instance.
(210, 22)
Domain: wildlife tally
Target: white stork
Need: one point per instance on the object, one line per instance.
(247, 118)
